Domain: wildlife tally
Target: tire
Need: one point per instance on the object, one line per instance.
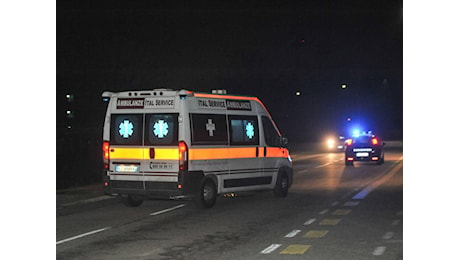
(348, 163)
(132, 201)
(207, 195)
(282, 185)
(381, 160)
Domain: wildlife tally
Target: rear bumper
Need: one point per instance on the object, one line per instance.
(188, 184)
(372, 155)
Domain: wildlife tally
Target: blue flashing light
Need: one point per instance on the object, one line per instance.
(355, 133)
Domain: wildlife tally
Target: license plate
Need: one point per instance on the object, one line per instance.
(126, 168)
(362, 154)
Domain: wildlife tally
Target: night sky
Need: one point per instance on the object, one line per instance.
(268, 49)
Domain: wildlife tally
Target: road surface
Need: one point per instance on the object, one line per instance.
(331, 212)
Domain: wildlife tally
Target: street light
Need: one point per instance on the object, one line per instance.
(344, 86)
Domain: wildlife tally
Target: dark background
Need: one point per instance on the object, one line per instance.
(268, 49)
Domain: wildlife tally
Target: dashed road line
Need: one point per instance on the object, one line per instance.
(324, 212)
(388, 235)
(295, 250)
(395, 222)
(341, 212)
(379, 250)
(330, 222)
(315, 234)
(82, 235)
(351, 203)
(293, 233)
(167, 210)
(271, 248)
(309, 222)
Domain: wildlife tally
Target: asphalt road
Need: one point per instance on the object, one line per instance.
(332, 212)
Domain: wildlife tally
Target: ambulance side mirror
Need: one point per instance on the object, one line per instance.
(284, 141)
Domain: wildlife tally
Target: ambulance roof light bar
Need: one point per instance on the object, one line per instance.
(219, 91)
(106, 95)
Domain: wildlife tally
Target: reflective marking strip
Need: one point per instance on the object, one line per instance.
(310, 221)
(129, 153)
(196, 153)
(277, 152)
(330, 222)
(295, 250)
(270, 249)
(235, 153)
(293, 233)
(144, 153)
(341, 212)
(167, 210)
(379, 250)
(315, 234)
(82, 235)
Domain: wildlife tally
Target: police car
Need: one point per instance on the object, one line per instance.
(166, 143)
(364, 147)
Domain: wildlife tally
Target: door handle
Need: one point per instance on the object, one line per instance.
(152, 153)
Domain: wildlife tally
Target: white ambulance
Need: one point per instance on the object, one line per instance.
(166, 143)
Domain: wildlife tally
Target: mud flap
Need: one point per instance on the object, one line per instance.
(191, 182)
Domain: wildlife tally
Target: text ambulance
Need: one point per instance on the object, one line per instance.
(182, 144)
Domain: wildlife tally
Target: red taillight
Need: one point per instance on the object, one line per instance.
(183, 156)
(105, 150)
(375, 141)
(349, 141)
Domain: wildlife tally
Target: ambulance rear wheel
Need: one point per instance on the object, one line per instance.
(132, 201)
(282, 185)
(207, 196)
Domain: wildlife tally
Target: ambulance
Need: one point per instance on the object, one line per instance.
(180, 144)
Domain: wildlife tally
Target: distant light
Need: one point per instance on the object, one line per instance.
(298, 93)
(69, 97)
(344, 86)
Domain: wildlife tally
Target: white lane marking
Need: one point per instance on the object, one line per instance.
(310, 221)
(324, 212)
(105, 197)
(82, 235)
(388, 235)
(335, 203)
(322, 165)
(368, 189)
(379, 250)
(270, 249)
(395, 222)
(302, 171)
(167, 210)
(293, 233)
(351, 203)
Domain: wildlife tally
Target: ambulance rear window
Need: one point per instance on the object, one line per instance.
(161, 129)
(126, 129)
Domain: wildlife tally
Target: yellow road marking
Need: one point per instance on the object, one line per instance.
(330, 222)
(295, 250)
(341, 212)
(315, 234)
